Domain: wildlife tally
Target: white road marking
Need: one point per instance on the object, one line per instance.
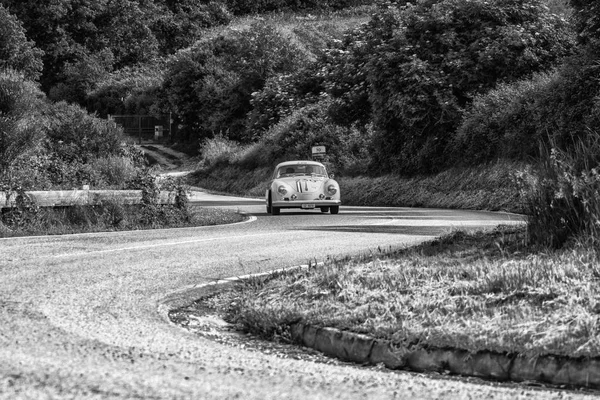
(154, 245)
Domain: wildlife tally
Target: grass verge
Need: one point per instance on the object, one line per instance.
(489, 187)
(109, 217)
(475, 292)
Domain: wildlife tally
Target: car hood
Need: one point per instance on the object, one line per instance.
(304, 184)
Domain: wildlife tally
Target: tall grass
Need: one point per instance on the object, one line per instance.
(472, 292)
(564, 197)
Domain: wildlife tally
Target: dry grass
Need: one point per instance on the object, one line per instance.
(108, 217)
(472, 292)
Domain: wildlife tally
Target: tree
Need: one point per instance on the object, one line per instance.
(16, 51)
(20, 101)
(74, 32)
(587, 19)
(210, 86)
(445, 53)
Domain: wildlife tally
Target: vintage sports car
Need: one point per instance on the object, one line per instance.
(304, 185)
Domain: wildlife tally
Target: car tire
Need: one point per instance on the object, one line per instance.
(275, 210)
(269, 207)
(334, 209)
(324, 209)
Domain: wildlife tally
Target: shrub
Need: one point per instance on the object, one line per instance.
(550, 109)
(16, 51)
(564, 198)
(502, 123)
(281, 95)
(446, 52)
(210, 85)
(219, 150)
(242, 7)
(74, 135)
(20, 104)
(294, 136)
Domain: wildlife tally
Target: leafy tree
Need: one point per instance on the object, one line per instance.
(210, 86)
(284, 93)
(445, 53)
(73, 135)
(180, 23)
(587, 19)
(346, 72)
(16, 51)
(74, 32)
(20, 101)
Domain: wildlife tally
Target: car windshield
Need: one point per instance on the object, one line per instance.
(301, 169)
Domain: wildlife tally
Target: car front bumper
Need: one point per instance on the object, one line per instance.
(306, 204)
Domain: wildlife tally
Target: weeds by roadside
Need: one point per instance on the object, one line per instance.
(26, 218)
(485, 291)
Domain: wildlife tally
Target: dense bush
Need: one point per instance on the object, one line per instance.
(293, 138)
(16, 50)
(503, 123)
(210, 85)
(447, 52)
(20, 104)
(131, 90)
(564, 194)
(75, 135)
(282, 94)
(242, 7)
(513, 120)
(346, 69)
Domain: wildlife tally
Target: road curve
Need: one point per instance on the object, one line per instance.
(79, 314)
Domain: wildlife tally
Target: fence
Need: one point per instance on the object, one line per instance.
(144, 127)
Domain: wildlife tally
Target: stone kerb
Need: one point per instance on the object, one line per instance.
(488, 365)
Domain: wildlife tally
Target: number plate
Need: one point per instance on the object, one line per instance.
(308, 206)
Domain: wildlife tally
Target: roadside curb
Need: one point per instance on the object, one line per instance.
(364, 349)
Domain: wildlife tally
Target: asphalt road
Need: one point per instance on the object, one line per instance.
(80, 315)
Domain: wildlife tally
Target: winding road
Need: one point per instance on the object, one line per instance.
(80, 315)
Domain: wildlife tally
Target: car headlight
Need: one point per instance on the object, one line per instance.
(281, 189)
(332, 189)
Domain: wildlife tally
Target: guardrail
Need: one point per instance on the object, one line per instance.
(63, 198)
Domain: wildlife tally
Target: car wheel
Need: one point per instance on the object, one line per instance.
(324, 209)
(269, 203)
(335, 209)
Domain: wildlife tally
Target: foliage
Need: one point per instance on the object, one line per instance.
(75, 135)
(503, 123)
(294, 136)
(130, 90)
(564, 196)
(16, 50)
(20, 103)
(587, 19)
(209, 86)
(345, 65)
(180, 23)
(481, 292)
(445, 52)
(282, 94)
(239, 7)
(512, 120)
(154, 214)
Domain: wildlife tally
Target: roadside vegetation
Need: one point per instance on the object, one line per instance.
(432, 103)
(471, 291)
